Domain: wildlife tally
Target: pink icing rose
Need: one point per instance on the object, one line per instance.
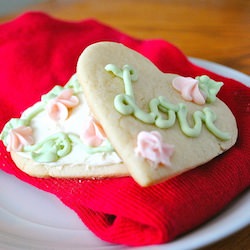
(58, 108)
(19, 137)
(151, 147)
(189, 89)
(93, 134)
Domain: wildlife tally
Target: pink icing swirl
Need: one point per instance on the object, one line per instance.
(93, 134)
(150, 146)
(189, 89)
(58, 108)
(19, 137)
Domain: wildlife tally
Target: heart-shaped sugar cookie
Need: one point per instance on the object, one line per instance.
(159, 124)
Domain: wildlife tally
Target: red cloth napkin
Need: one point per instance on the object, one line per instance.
(37, 52)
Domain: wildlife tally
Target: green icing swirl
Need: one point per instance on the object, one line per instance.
(209, 87)
(59, 145)
(51, 149)
(126, 105)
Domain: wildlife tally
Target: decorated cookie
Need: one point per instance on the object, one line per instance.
(119, 116)
(59, 137)
(159, 124)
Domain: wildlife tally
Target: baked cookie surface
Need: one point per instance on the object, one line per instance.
(155, 125)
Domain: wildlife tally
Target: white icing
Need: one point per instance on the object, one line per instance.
(43, 127)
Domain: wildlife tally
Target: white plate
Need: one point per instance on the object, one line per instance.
(33, 219)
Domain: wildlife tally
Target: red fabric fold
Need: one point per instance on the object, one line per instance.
(37, 52)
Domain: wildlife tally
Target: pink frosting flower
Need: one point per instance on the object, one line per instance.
(93, 134)
(19, 137)
(189, 89)
(58, 108)
(151, 147)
